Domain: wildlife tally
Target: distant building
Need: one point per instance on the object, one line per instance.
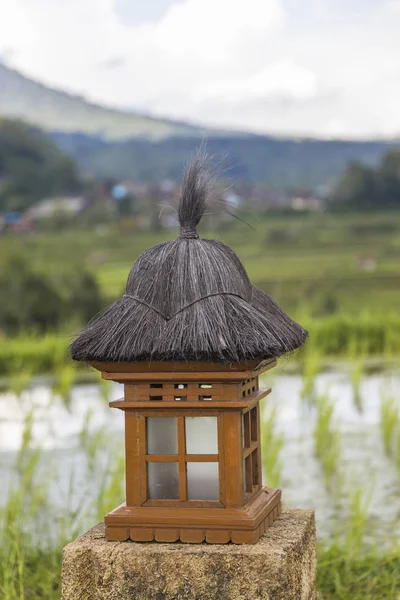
(232, 199)
(10, 218)
(15, 222)
(135, 188)
(119, 192)
(306, 203)
(167, 186)
(50, 207)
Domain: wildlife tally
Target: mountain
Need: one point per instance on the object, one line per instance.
(54, 110)
(280, 163)
(126, 145)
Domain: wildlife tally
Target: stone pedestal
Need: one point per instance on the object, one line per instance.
(281, 566)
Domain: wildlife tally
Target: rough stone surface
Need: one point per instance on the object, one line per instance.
(281, 566)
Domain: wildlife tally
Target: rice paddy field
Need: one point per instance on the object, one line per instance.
(331, 427)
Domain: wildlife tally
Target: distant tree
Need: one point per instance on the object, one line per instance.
(41, 302)
(125, 206)
(27, 300)
(356, 189)
(83, 296)
(388, 179)
(361, 187)
(31, 167)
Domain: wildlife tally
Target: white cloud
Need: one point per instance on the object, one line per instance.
(209, 29)
(393, 4)
(246, 64)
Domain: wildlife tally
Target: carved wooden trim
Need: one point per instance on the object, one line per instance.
(244, 528)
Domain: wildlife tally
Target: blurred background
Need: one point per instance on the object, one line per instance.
(102, 102)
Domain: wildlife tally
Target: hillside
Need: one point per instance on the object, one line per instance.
(54, 110)
(281, 163)
(117, 144)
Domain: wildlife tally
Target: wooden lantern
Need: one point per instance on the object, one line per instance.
(189, 339)
(193, 454)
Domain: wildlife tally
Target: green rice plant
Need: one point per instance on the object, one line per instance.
(389, 422)
(327, 442)
(24, 464)
(112, 487)
(333, 335)
(397, 457)
(105, 389)
(357, 372)
(20, 375)
(271, 443)
(23, 572)
(25, 498)
(92, 443)
(12, 567)
(390, 344)
(84, 432)
(30, 352)
(96, 442)
(358, 509)
(312, 362)
(357, 354)
(64, 377)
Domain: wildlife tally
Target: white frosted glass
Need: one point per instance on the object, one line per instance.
(202, 481)
(201, 435)
(162, 435)
(163, 481)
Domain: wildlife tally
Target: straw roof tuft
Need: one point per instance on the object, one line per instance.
(189, 299)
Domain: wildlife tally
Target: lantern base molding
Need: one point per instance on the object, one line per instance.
(243, 525)
(282, 566)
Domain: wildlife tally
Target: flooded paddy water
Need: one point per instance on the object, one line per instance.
(324, 448)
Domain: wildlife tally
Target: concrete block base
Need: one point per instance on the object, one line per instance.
(281, 566)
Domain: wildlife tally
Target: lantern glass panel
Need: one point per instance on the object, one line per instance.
(202, 481)
(163, 480)
(162, 435)
(201, 435)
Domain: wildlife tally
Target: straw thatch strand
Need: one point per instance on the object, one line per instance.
(189, 299)
(197, 190)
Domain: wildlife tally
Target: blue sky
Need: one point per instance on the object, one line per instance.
(328, 68)
(137, 13)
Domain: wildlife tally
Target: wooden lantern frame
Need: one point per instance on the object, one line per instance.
(231, 393)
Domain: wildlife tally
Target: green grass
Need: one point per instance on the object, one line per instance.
(347, 575)
(332, 336)
(310, 265)
(311, 259)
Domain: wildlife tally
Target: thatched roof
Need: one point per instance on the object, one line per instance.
(189, 299)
